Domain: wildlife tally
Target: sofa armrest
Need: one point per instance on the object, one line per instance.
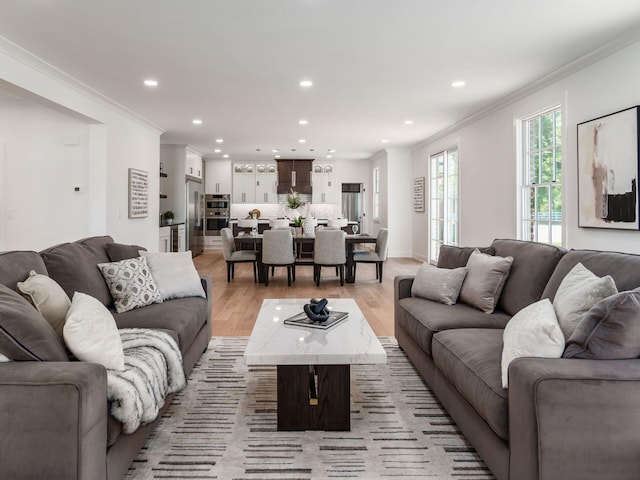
(574, 419)
(207, 284)
(401, 289)
(53, 420)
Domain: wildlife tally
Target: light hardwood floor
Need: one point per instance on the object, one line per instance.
(236, 304)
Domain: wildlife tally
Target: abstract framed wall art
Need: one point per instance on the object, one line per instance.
(608, 156)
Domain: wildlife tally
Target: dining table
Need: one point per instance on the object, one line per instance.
(254, 242)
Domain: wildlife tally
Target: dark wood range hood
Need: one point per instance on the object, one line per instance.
(302, 175)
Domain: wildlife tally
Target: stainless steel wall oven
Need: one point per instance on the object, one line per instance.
(216, 214)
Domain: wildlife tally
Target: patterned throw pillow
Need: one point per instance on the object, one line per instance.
(130, 283)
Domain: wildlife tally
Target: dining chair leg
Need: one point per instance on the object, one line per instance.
(273, 269)
(354, 270)
(228, 272)
(341, 275)
(336, 271)
(318, 276)
(293, 269)
(255, 272)
(289, 275)
(266, 276)
(380, 273)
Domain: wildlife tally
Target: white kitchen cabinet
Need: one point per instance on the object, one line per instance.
(267, 187)
(218, 177)
(193, 164)
(181, 230)
(165, 239)
(244, 186)
(324, 190)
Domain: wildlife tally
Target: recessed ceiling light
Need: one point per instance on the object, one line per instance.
(458, 83)
(302, 140)
(151, 83)
(329, 156)
(275, 150)
(384, 140)
(217, 150)
(277, 156)
(331, 150)
(225, 156)
(219, 140)
(303, 122)
(306, 83)
(408, 122)
(312, 149)
(197, 121)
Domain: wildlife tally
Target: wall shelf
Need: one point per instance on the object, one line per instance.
(163, 196)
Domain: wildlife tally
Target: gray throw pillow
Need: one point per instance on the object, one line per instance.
(130, 283)
(455, 257)
(119, 251)
(24, 333)
(438, 284)
(578, 292)
(485, 280)
(609, 331)
(175, 274)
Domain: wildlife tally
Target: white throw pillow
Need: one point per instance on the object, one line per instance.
(174, 274)
(130, 283)
(91, 333)
(438, 284)
(48, 297)
(532, 332)
(580, 290)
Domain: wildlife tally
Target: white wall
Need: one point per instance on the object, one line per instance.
(488, 156)
(112, 140)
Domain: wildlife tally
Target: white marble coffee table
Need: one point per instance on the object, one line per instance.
(313, 365)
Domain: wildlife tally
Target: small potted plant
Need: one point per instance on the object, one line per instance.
(297, 223)
(168, 217)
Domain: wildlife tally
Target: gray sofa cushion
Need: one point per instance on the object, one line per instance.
(470, 360)
(24, 333)
(533, 265)
(15, 267)
(609, 331)
(433, 317)
(74, 267)
(623, 267)
(185, 316)
(455, 257)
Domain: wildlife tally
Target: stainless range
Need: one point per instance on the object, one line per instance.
(216, 214)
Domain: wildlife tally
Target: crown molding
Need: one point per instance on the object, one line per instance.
(628, 37)
(31, 61)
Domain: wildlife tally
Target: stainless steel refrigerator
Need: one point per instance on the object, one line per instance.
(195, 217)
(352, 202)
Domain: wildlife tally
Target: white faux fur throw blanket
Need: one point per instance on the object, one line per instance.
(152, 370)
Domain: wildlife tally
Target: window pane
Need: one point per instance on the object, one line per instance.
(535, 168)
(453, 233)
(547, 166)
(527, 233)
(547, 127)
(534, 137)
(558, 164)
(542, 200)
(556, 233)
(452, 163)
(542, 232)
(558, 119)
(556, 203)
(529, 204)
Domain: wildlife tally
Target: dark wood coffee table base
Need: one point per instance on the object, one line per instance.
(314, 397)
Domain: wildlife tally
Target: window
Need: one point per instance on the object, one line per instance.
(542, 178)
(443, 201)
(376, 194)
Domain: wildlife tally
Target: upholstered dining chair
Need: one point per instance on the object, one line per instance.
(378, 256)
(329, 251)
(277, 251)
(233, 256)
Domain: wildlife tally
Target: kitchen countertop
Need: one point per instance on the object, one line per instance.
(321, 221)
(171, 224)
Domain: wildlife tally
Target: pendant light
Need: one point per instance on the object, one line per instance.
(293, 174)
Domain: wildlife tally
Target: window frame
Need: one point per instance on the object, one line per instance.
(530, 218)
(376, 194)
(445, 203)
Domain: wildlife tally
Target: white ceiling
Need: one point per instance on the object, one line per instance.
(236, 64)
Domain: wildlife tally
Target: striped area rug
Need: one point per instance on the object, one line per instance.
(223, 426)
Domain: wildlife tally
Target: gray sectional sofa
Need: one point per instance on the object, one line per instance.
(54, 420)
(559, 418)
